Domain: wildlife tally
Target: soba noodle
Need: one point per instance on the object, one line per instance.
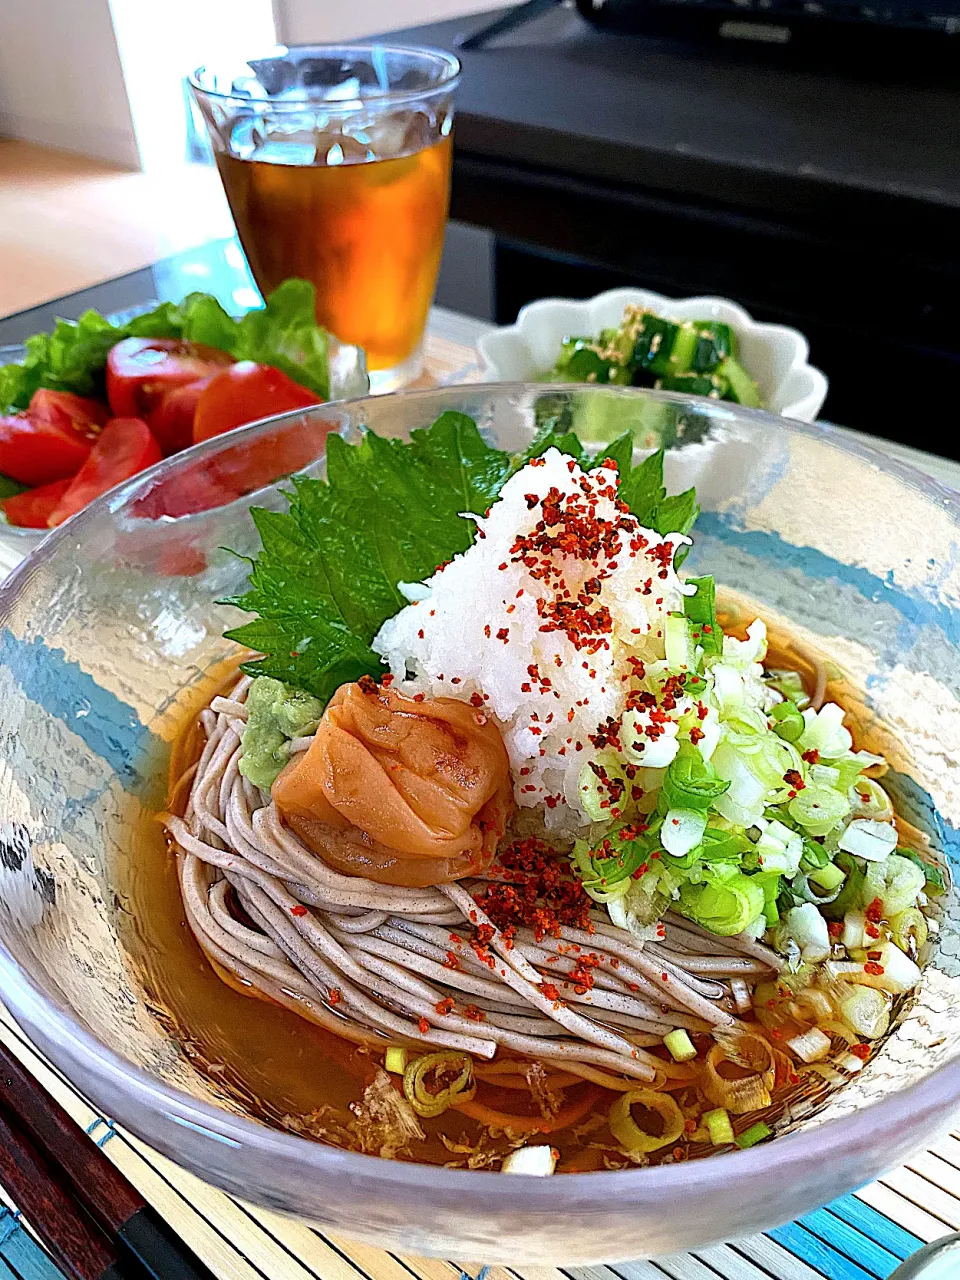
(375, 963)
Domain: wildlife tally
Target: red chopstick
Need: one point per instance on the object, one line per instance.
(71, 1237)
(119, 1211)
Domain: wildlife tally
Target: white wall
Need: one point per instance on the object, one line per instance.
(309, 21)
(157, 55)
(61, 82)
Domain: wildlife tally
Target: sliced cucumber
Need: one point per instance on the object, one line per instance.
(722, 336)
(682, 352)
(655, 343)
(742, 387)
(694, 384)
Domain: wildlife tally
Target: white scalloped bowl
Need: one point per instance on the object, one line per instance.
(774, 354)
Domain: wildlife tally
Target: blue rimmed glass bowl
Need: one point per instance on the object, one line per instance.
(113, 617)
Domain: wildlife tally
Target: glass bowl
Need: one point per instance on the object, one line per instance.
(110, 624)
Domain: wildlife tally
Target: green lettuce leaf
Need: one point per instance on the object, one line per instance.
(284, 333)
(327, 577)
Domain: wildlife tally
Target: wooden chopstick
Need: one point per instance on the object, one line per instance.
(114, 1203)
(74, 1241)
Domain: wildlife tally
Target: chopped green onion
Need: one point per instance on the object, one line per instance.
(682, 831)
(701, 609)
(818, 809)
(629, 1134)
(828, 877)
(787, 721)
(719, 1126)
(869, 839)
(539, 1161)
(790, 685)
(396, 1059)
(811, 1045)
(909, 926)
(750, 1137)
(678, 645)
(724, 905)
(680, 1046)
(896, 882)
(437, 1069)
(692, 782)
(936, 882)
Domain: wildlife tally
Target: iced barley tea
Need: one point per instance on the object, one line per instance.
(367, 234)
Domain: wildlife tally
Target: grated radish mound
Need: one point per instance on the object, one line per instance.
(549, 622)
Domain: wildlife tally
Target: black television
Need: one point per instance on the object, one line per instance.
(923, 22)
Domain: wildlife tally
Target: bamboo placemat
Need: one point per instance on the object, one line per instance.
(863, 1236)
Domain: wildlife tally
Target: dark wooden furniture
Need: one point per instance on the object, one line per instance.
(826, 198)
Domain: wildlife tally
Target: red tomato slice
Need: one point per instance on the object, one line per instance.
(35, 452)
(140, 371)
(172, 420)
(34, 507)
(245, 393)
(63, 408)
(125, 447)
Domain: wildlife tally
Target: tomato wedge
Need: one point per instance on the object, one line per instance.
(33, 508)
(34, 451)
(141, 371)
(172, 420)
(245, 393)
(63, 408)
(125, 447)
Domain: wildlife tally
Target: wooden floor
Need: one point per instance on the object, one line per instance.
(67, 222)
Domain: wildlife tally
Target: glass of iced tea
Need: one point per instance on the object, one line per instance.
(336, 164)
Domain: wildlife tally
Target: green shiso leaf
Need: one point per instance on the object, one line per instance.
(642, 488)
(388, 512)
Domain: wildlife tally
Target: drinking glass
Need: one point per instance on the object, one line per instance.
(336, 164)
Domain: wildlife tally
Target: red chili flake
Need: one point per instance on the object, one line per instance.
(420, 634)
(476, 700)
(443, 1007)
(419, 697)
(298, 910)
(871, 930)
(549, 990)
(835, 928)
(452, 961)
(812, 756)
(664, 977)
(473, 1013)
(874, 912)
(861, 1051)
(873, 955)
(334, 995)
(793, 779)
(503, 634)
(874, 969)
(689, 1125)
(424, 1026)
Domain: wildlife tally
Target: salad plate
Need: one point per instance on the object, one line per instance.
(774, 355)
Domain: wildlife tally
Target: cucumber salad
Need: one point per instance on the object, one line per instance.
(698, 357)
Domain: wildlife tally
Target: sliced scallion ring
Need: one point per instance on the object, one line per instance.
(629, 1134)
(453, 1072)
